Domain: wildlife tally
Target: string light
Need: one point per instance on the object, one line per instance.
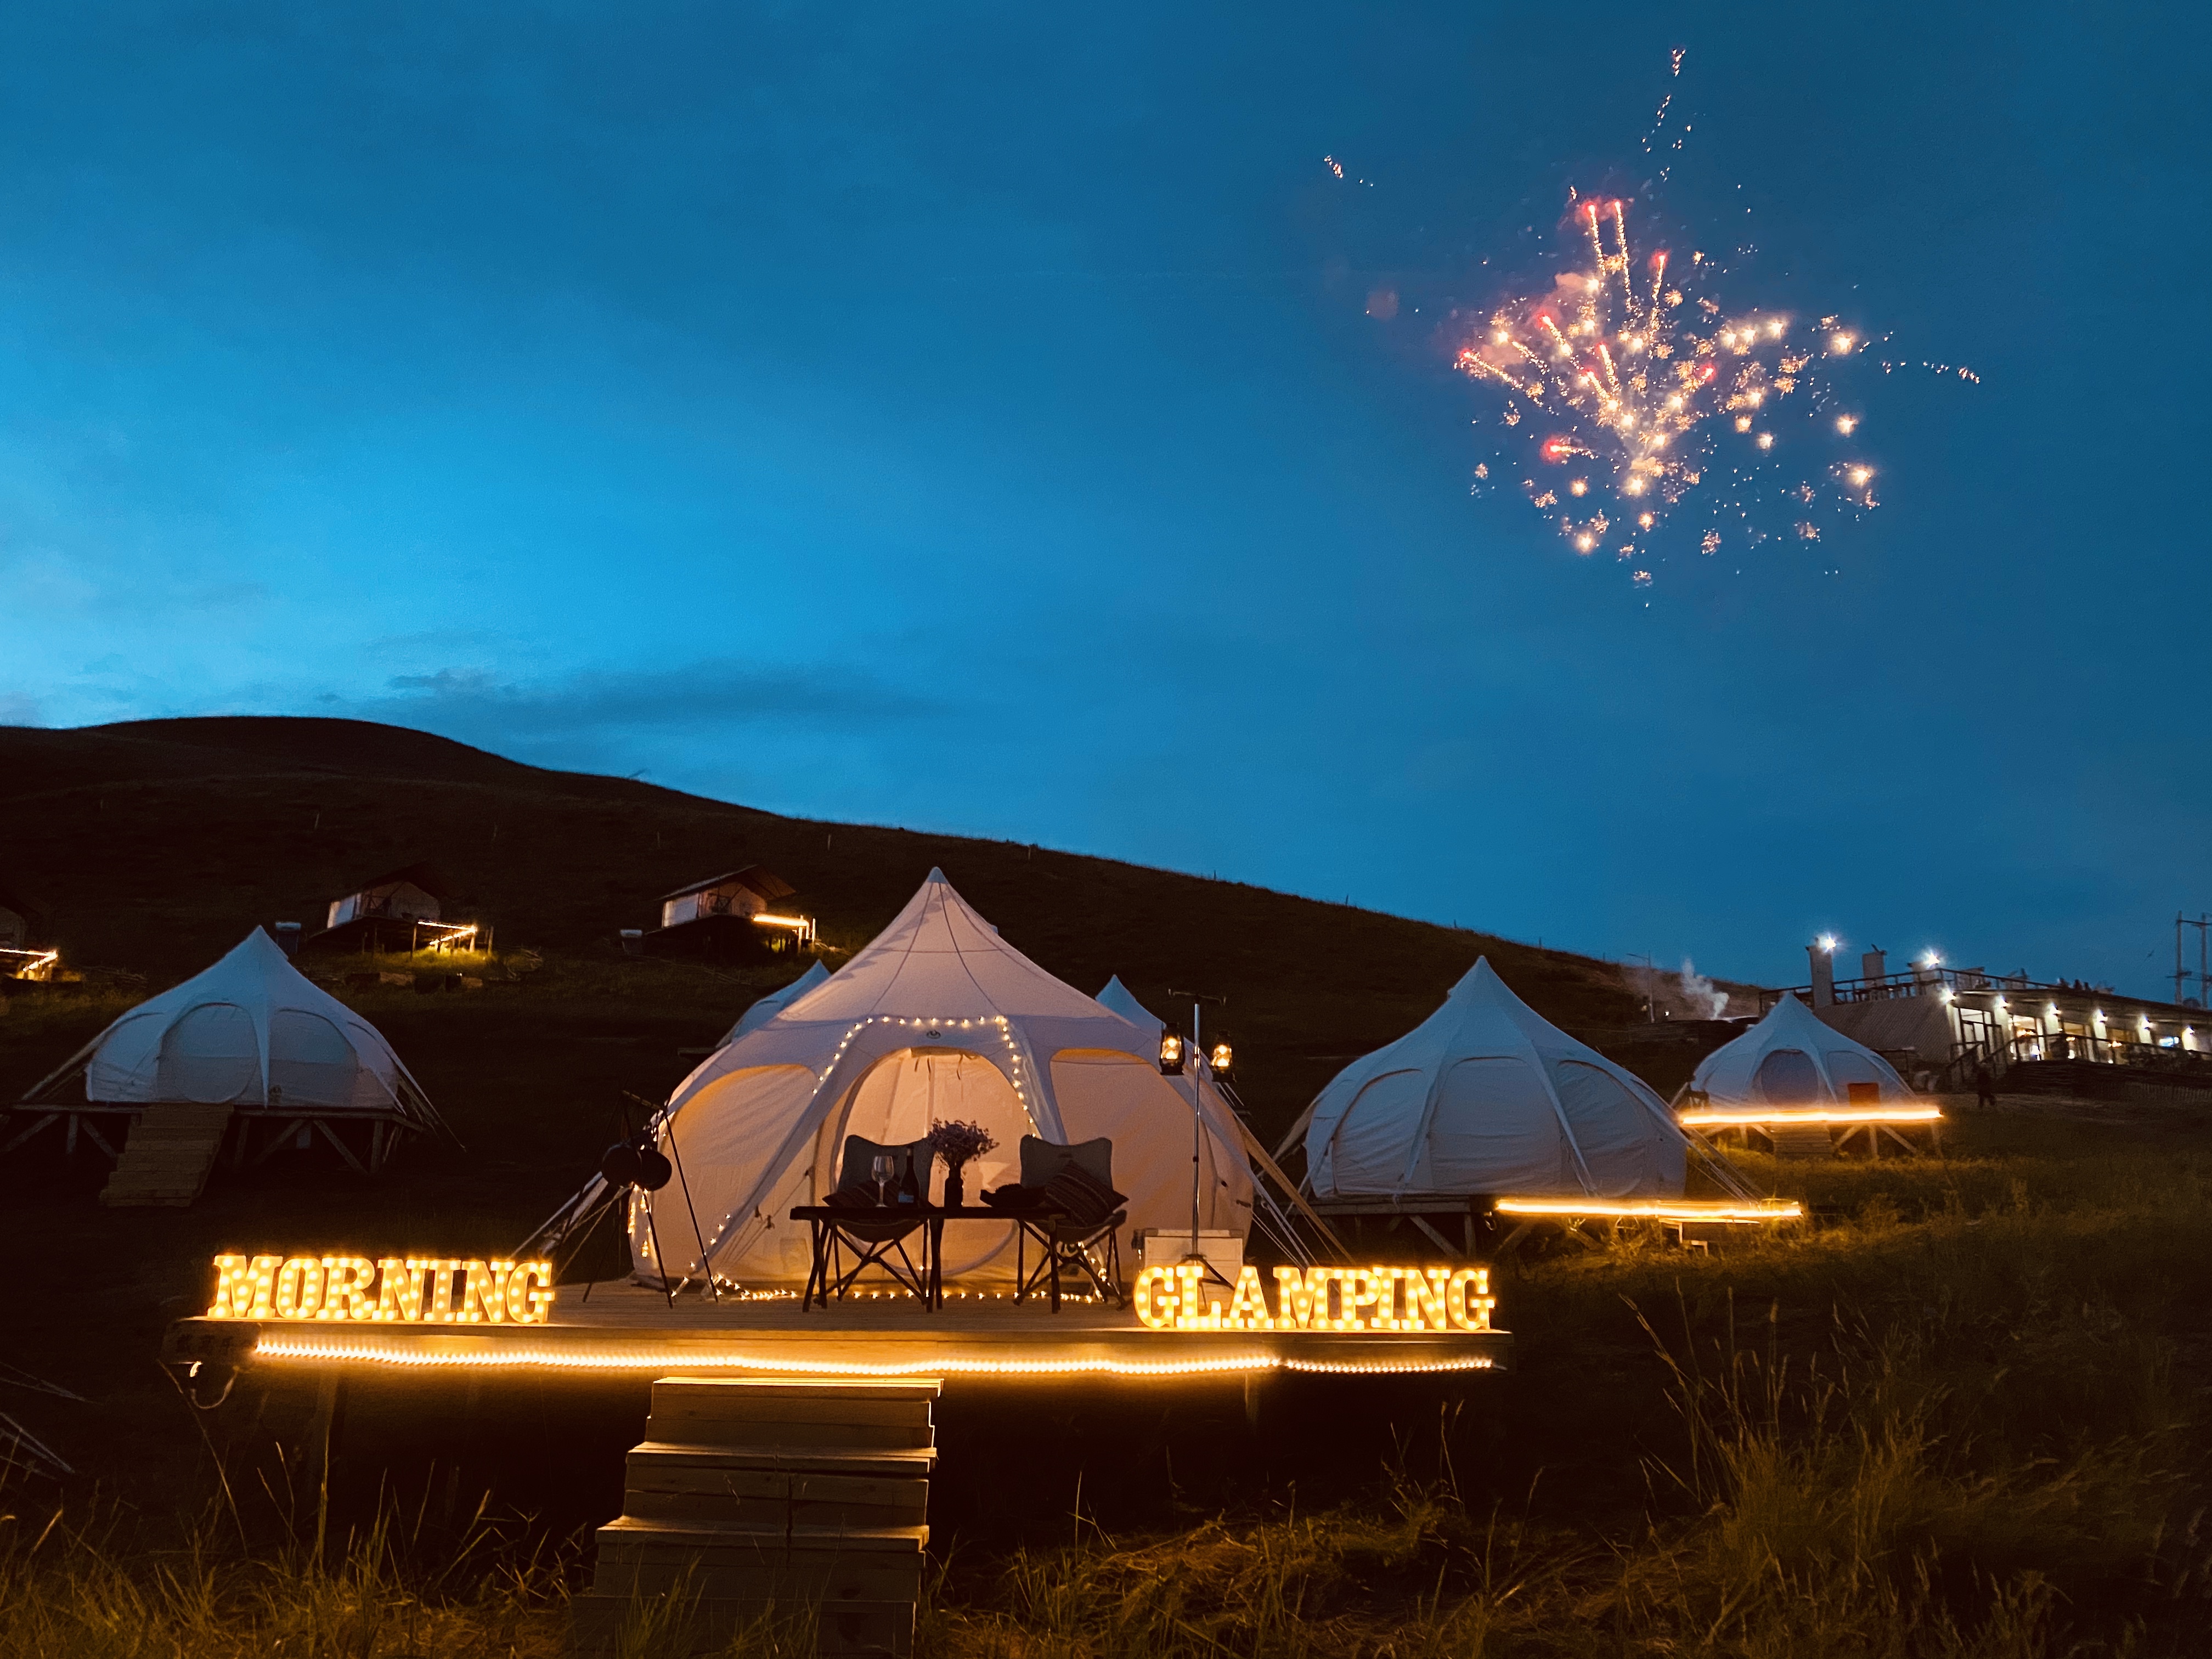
(1730, 1116)
(1667, 1209)
(931, 1025)
(282, 1345)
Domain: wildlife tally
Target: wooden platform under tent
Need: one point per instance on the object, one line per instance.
(616, 1328)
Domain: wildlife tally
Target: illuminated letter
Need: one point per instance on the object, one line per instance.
(1248, 1308)
(484, 1293)
(399, 1290)
(440, 1309)
(1469, 1313)
(1193, 1314)
(243, 1287)
(1366, 1287)
(349, 1288)
(1427, 1298)
(299, 1288)
(537, 1297)
(1150, 1313)
(1302, 1301)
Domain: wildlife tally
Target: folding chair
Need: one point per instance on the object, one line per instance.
(875, 1244)
(1083, 1234)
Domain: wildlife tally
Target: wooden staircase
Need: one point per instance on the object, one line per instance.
(755, 1499)
(1800, 1141)
(167, 1158)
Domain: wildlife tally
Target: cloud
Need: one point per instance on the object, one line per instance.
(19, 708)
(476, 703)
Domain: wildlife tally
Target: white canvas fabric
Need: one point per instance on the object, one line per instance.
(774, 1002)
(1487, 1096)
(937, 1017)
(1791, 1059)
(253, 1030)
(1123, 1001)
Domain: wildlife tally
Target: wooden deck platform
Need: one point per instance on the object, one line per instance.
(626, 1330)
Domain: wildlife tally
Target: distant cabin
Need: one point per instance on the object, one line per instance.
(738, 912)
(20, 922)
(401, 909)
(410, 895)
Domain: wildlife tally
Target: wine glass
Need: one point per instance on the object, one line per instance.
(882, 1168)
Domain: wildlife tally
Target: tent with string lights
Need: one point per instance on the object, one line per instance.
(936, 1018)
(1485, 1097)
(1791, 1058)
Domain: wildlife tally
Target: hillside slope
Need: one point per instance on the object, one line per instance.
(155, 845)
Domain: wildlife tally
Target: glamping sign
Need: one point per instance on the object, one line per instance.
(414, 1290)
(1407, 1299)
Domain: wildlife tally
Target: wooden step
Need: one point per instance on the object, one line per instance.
(1800, 1141)
(765, 1497)
(166, 1160)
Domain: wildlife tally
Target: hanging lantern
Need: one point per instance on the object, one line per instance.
(1171, 1054)
(1221, 1056)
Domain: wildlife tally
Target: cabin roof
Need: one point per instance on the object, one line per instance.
(766, 883)
(428, 877)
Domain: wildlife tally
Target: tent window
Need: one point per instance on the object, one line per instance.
(1367, 1153)
(1614, 1131)
(1495, 1131)
(311, 1060)
(209, 1054)
(1787, 1076)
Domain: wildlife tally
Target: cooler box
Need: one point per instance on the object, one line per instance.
(1163, 1246)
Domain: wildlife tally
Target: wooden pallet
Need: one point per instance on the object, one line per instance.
(771, 1497)
(167, 1159)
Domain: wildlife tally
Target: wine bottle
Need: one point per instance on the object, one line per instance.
(910, 1188)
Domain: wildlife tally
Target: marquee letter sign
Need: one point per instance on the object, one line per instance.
(1178, 1298)
(414, 1290)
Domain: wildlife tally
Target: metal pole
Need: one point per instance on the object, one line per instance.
(1197, 1137)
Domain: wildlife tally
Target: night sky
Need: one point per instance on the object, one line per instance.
(971, 419)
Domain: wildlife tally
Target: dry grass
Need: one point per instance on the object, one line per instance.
(1964, 1418)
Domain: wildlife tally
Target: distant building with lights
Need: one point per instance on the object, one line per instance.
(1962, 1018)
(21, 923)
(403, 910)
(18, 922)
(737, 913)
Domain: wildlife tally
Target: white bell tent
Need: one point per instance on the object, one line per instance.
(937, 1018)
(1791, 1059)
(254, 1032)
(1485, 1097)
(774, 1003)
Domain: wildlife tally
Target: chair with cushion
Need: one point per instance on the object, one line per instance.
(1077, 1219)
(875, 1244)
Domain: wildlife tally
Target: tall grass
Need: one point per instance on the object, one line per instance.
(1967, 1420)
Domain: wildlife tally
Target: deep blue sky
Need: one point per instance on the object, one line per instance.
(967, 419)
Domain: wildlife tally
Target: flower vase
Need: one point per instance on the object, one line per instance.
(955, 1192)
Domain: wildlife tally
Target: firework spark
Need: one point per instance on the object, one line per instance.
(1650, 389)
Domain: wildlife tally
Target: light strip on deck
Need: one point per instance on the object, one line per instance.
(1652, 1209)
(521, 1357)
(1730, 1117)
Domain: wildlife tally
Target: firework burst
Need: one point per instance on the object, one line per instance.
(1638, 393)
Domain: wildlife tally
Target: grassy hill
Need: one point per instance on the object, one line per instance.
(155, 845)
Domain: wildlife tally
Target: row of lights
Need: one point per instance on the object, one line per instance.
(1173, 1050)
(514, 1357)
(933, 1025)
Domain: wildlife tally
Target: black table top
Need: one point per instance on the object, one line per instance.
(875, 1215)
